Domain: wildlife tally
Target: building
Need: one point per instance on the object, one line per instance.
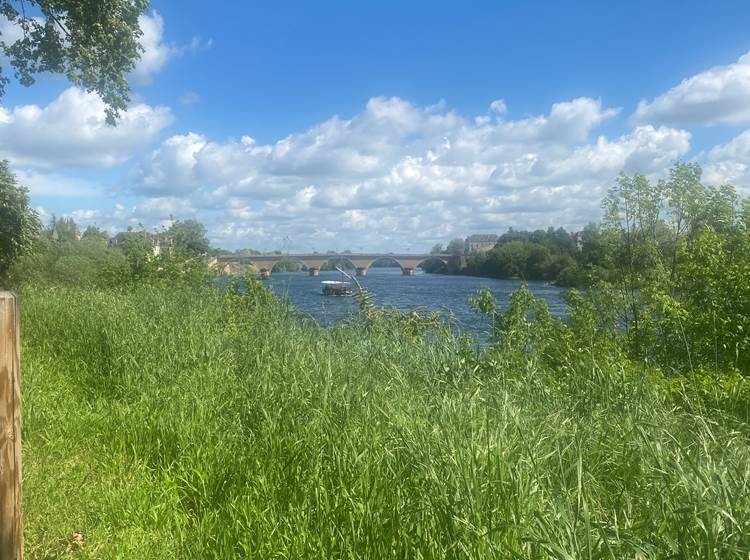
(158, 242)
(578, 239)
(479, 243)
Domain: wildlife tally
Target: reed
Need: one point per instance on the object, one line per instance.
(179, 423)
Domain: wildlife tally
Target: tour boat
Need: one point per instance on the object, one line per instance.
(336, 288)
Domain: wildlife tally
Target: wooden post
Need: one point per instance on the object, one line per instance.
(11, 527)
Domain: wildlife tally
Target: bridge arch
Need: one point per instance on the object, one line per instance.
(384, 258)
(286, 259)
(314, 262)
(444, 262)
(406, 264)
(336, 259)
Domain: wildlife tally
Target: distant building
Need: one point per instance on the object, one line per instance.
(158, 241)
(480, 243)
(578, 239)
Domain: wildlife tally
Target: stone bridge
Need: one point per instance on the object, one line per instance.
(229, 264)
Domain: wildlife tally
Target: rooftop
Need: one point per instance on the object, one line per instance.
(482, 238)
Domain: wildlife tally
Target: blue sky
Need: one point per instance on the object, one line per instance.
(390, 125)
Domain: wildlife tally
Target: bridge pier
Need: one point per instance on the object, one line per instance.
(315, 261)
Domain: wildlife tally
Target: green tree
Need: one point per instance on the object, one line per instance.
(512, 259)
(95, 235)
(19, 223)
(437, 249)
(456, 246)
(189, 236)
(632, 215)
(63, 229)
(94, 44)
(679, 259)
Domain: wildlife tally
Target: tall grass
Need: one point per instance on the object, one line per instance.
(186, 424)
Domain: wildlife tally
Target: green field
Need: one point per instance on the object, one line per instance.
(181, 423)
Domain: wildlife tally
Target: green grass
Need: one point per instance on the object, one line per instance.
(181, 424)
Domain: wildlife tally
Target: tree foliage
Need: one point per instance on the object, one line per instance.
(62, 257)
(93, 43)
(188, 236)
(64, 229)
(456, 246)
(19, 223)
(528, 255)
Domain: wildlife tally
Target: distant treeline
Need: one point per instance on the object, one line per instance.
(551, 255)
(58, 253)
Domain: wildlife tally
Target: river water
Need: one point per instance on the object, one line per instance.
(448, 295)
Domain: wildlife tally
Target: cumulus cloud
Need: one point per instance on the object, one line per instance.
(729, 163)
(498, 106)
(398, 174)
(718, 96)
(156, 51)
(71, 131)
(56, 185)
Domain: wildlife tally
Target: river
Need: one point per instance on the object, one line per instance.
(448, 295)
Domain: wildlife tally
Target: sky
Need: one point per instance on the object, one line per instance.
(389, 126)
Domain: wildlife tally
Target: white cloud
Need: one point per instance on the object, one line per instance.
(718, 96)
(10, 32)
(156, 52)
(729, 163)
(55, 185)
(153, 213)
(71, 131)
(398, 175)
(498, 106)
(189, 98)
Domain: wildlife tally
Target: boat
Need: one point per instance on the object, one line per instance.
(336, 288)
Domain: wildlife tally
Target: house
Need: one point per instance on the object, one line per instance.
(158, 242)
(479, 243)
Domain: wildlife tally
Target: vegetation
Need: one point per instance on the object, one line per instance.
(94, 44)
(649, 230)
(189, 237)
(182, 423)
(164, 418)
(63, 257)
(537, 255)
(19, 223)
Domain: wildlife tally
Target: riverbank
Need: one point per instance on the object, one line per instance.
(174, 423)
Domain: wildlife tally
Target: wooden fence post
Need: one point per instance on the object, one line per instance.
(11, 527)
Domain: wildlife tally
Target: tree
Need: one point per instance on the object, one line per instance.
(189, 236)
(94, 44)
(513, 258)
(19, 223)
(437, 249)
(95, 235)
(456, 246)
(63, 229)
